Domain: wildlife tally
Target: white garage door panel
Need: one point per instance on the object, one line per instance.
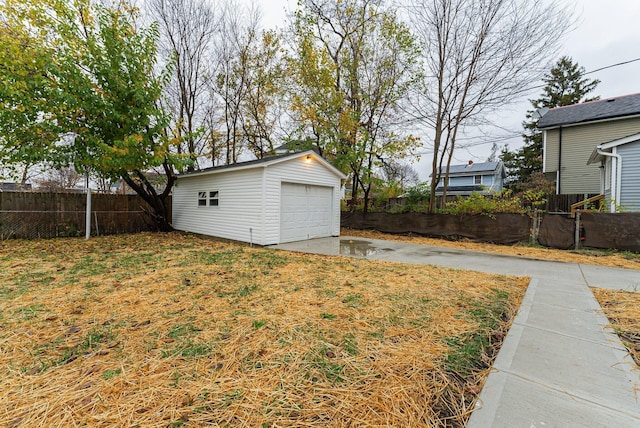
(305, 212)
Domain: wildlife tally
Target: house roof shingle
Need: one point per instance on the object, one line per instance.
(475, 169)
(626, 105)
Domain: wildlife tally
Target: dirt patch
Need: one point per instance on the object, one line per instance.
(622, 308)
(175, 330)
(607, 258)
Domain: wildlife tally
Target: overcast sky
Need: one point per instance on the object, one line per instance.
(606, 33)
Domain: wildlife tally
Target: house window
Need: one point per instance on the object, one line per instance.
(477, 179)
(213, 198)
(202, 199)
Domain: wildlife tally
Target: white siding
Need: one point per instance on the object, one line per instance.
(630, 189)
(250, 198)
(239, 209)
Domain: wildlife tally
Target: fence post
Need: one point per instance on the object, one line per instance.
(577, 236)
(534, 227)
(87, 221)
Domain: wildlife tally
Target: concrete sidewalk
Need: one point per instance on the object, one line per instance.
(560, 365)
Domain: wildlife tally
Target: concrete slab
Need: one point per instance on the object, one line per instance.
(568, 322)
(585, 369)
(571, 297)
(560, 364)
(518, 403)
(616, 279)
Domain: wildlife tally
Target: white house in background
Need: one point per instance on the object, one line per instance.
(278, 199)
(619, 162)
(486, 177)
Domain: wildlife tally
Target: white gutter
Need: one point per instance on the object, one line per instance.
(615, 185)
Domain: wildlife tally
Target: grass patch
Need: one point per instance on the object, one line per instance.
(171, 329)
(109, 374)
(182, 330)
(474, 351)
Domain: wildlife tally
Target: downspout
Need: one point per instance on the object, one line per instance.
(615, 186)
(559, 159)
(263, 214)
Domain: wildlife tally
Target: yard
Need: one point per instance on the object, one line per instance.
(622, 308)
(176, 330)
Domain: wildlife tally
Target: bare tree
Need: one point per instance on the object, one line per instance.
(21, 172)
(64, 178)
(261, 107)
(401, 173)
(238, 34)
(479, 55)
(355, 63)
(188, 28)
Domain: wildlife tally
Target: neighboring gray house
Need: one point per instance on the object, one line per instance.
(471, 177)
(278, 199)
(14, 187)
(571, 133)
(619, 162)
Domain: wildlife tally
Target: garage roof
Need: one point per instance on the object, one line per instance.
(265, 162)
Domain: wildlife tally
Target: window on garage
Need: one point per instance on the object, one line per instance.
(202, 199)
(213, 198)
(210, 198)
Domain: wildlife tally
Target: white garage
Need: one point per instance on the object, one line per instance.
(305, 211)
(268, 201)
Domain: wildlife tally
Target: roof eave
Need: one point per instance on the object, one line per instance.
(265, 164)
(589, 121)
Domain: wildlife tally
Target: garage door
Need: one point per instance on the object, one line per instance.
(305, 212)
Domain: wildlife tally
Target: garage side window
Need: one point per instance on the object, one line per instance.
(210, 198)
(202, 199)
(213, 198)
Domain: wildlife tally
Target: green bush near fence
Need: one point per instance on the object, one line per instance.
(476, 203)
(416, 199)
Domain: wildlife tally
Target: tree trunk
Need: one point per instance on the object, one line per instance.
(159, 212)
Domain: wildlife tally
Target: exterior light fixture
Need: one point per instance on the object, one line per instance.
(308, 159)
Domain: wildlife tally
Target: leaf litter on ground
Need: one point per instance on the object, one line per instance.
(177, 330)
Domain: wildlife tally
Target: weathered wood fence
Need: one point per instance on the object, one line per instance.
(47, 215)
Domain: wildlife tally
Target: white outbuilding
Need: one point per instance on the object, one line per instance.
(278, 199)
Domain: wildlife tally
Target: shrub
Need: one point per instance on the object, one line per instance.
(420, 193)
(476, 203)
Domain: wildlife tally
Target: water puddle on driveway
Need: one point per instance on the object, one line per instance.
(353, 247)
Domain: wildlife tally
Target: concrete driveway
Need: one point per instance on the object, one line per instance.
(560, 364)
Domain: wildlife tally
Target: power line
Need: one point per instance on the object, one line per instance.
(612, 65)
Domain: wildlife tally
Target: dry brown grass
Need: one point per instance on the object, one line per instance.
(622, 308)
(593, 257)
(161, 330)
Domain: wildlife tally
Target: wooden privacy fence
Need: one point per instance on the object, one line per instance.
(562, 203)
(31, 215)
(619, 231)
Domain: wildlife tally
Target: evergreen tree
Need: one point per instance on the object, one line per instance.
(565, 84)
